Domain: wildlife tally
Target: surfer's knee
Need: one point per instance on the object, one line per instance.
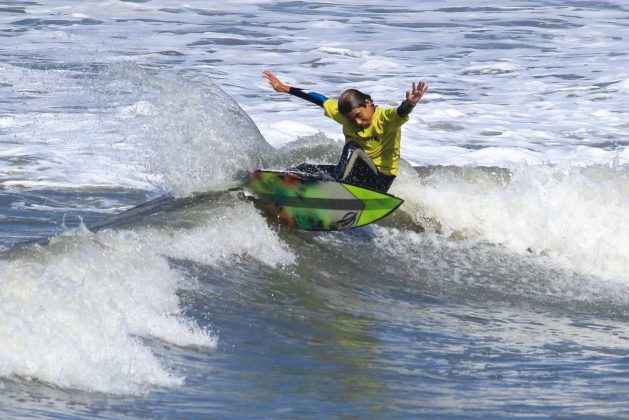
(353, 159)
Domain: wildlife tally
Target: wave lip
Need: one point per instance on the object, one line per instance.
(572, 216)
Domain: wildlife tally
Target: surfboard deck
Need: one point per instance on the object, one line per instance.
(304, 202)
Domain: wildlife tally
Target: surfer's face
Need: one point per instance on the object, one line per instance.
(361, 116)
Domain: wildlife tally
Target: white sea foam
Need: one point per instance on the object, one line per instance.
(140, 108)
(219, 236)
(72, 311)
(283, 132)
(493, 68)
(379, 64)
(6, 122)
(569, 215)
(622, 85)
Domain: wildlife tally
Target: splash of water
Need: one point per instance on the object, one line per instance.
(187, 135)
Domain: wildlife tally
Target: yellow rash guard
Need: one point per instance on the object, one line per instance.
(381, 140)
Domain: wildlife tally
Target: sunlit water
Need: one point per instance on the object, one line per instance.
(499, 289)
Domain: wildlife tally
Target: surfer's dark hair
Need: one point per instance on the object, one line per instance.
(351, 99)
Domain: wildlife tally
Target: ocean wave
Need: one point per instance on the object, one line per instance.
(570, 215)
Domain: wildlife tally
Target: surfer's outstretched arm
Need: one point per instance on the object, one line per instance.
(279, 86)
(412, 98)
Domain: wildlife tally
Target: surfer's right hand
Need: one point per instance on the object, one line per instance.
(275, 82)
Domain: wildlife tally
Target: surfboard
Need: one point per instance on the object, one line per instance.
(305, 202)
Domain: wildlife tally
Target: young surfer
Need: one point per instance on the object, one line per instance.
(372, 134)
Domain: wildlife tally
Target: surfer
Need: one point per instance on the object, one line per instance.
(372, 134)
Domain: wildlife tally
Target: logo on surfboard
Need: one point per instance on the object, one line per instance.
(347, 221)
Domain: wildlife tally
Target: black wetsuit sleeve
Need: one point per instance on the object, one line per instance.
(314, 97)
(404, 109)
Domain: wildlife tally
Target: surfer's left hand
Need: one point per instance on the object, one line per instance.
(416, 93)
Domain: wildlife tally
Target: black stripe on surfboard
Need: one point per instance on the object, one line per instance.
(314, 203)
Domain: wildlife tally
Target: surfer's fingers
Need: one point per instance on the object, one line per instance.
(274, 81)
(270, 76)
(419, 89)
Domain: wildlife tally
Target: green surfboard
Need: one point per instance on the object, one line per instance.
(309, 203)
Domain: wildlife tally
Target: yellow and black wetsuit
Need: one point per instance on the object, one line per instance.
(380, 141)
